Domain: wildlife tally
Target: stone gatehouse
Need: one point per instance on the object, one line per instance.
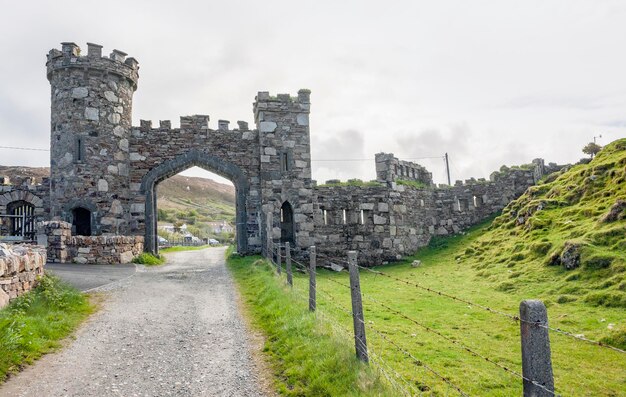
(104, 172)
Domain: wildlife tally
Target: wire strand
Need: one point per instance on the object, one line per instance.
(457, 343)
(24, 148)
(491, 310)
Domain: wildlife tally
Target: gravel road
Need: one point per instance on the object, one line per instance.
(173, 330)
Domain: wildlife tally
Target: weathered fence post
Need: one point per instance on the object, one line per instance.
(536, 358)
(288, 263)
(312, 267)
(357, 309)
(279, 259)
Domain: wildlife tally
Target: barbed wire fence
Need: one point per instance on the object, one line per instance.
(537, 381)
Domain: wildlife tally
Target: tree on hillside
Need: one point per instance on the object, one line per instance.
(592, 149)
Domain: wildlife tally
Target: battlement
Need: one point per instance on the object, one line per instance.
(197, 122)
(304, 96)
(70, 57)
(264, 102)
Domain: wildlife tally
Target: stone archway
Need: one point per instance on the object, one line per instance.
(210, 163)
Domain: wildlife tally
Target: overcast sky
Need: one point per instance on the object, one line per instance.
(490, 82)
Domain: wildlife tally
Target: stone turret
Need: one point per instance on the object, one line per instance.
(285, 153)
(91, 106)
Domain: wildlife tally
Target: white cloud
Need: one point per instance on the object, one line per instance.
(488, 82)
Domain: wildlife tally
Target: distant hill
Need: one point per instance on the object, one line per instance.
(195, 200)
(17, 174)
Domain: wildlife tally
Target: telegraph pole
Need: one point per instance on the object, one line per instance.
(448, 170)
(594, 138)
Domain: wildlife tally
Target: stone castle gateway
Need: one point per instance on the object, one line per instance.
(104, 171)
(99, 204)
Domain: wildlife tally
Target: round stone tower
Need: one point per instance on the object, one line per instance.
(89, 143)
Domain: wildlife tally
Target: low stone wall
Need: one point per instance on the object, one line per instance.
(106, 250)
(62, 247)
(19, 267)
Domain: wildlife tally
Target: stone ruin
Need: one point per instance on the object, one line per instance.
(104, 173)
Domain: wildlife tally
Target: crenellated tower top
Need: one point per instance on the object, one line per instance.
(70, 57)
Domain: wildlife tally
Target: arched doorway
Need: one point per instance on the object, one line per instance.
(81, 221)
(210, 163)
(22, 219)
(287, 232)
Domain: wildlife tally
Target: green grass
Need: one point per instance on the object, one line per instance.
(148, 259)
(35, 323)
(353, 182)
(307, 357)
(413, 184)
(499, 265)
(577, 365)
(179, 248)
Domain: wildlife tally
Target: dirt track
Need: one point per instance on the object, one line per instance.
(168, 331)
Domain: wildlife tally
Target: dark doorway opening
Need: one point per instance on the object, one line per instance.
(22, 219)
(286, 223)
(81, 221)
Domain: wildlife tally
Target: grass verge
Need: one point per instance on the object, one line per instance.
(179, 248)
(35, 323)
(148, 259)
(307, 358)
(579, 368)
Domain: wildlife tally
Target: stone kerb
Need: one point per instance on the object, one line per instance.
(19, 268)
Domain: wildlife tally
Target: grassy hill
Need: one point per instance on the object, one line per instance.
(570, 229)
(195, 200)
(563, 241)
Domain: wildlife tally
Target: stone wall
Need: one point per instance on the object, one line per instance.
(390, 169)
(62, 247)
(386, 223)
(55, 236)
(104, 250)
(20, 265)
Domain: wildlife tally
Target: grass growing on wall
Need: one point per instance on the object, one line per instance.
(352, 182)
(413, 184)
(34, 323)
(307, 358)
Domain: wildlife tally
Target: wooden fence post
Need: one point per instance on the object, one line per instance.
(279, 258)
(288, 263)
(536, 358)
(357, 309)
(312, 286)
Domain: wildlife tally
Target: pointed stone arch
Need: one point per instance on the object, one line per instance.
(180, 163)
